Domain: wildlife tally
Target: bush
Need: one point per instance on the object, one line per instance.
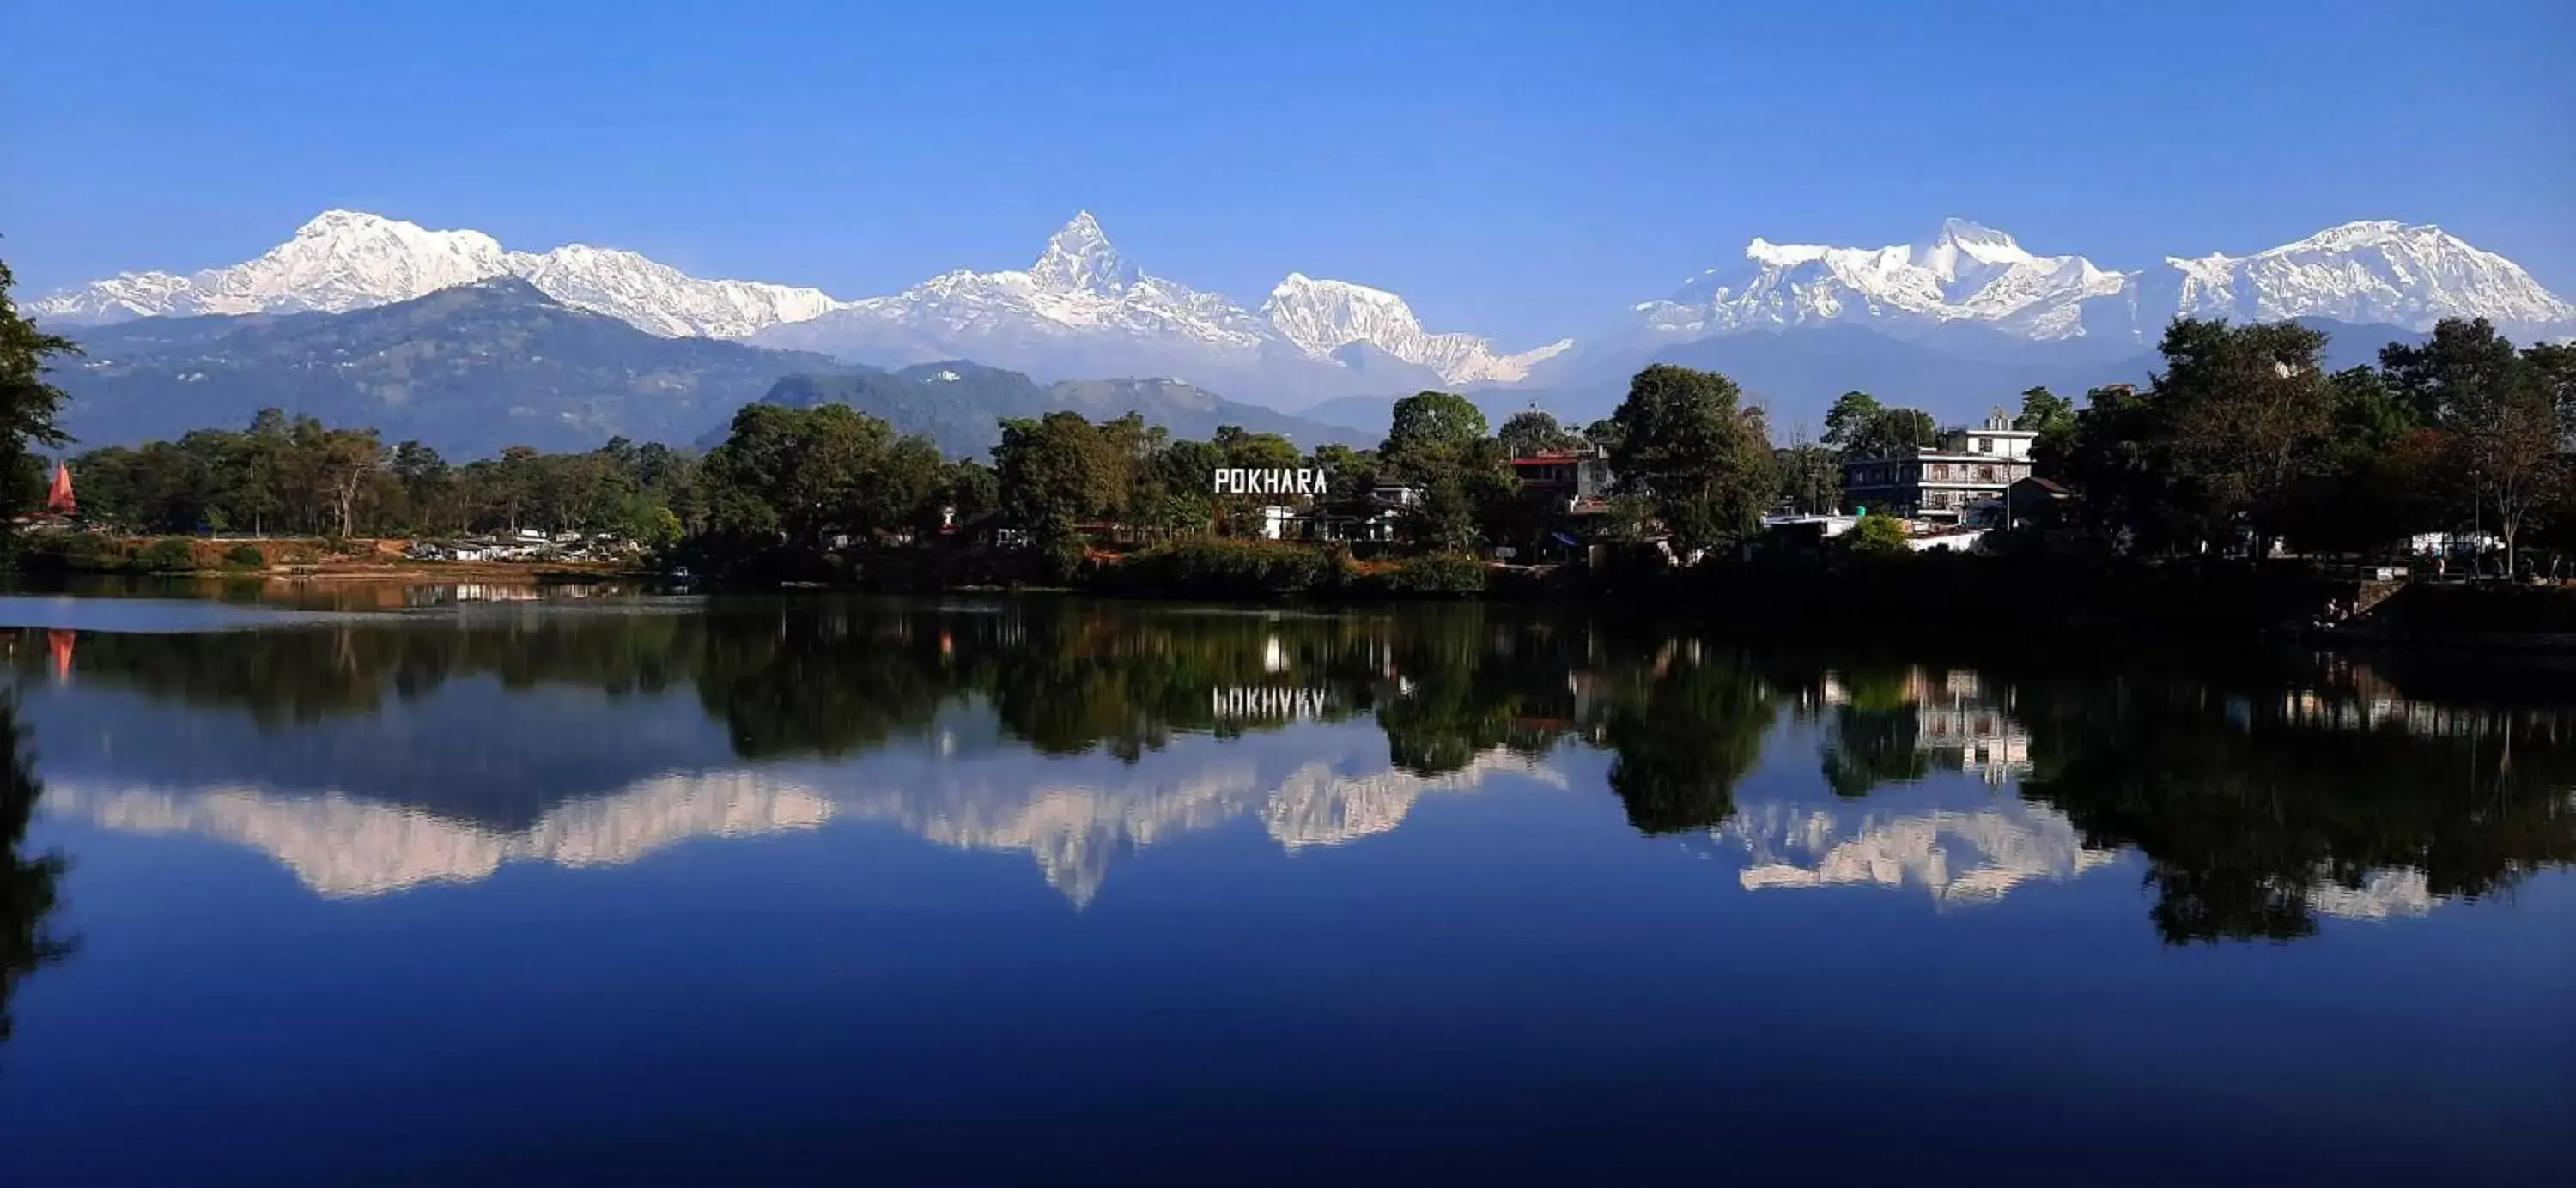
(67, 552)
(1876, 535)
(246, 556)
(1439, 573)
(167, 554)
(1217, 567)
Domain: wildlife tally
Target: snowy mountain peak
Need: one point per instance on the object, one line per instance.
(342, 260)
(1967, 274)
(1079, 258)
(1321, 317)
(2370, 272)
(1980, 243)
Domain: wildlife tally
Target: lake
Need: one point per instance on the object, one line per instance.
(481, 886)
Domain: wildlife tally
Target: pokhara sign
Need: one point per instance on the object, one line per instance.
(1270, 480)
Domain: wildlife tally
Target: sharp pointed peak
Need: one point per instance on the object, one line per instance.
(1959, 230)
(1083, 226)
(1080, 256)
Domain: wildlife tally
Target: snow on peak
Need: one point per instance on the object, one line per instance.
(1321, 317)
(1982, 244)
(659, 299)
(2409, 275)
(1079, 257)
(1966, 273)
(1080, 299)
(342, 260)
(2376, 272)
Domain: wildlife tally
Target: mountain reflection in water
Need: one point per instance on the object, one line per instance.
(370, 756)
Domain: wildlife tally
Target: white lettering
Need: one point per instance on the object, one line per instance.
(1269, 703)
(1282, 480)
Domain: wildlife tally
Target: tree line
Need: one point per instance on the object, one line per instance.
(2242, 442)
(293, 476)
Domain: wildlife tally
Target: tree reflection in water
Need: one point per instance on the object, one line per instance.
(2254, 789)
(29, 885)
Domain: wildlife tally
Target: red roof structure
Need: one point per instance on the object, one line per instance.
(58, 497)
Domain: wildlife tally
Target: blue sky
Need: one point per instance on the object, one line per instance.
(1524, 170)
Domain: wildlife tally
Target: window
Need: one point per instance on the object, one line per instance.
(1981, 444)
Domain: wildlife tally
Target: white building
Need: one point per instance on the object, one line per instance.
(1969, 467)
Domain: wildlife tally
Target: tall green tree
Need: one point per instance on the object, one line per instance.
(1687, 443)
(28, 404)
(2248, 409)
(1533, 431)
(2052, 417)
(1858, 426)
(1431, 430)
(1057, 471)
(2501, 413)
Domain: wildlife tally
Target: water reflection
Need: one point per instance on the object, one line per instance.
(2259, 792)
(29, 883)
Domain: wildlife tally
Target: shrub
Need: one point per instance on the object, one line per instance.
(246, 556)
(68, 552)
(167, 554)
(1216, 567)
(1439, 573)
(1876, 535)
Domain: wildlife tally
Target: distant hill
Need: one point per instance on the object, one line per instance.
(468, 370)
(961, 405)
(474, 368)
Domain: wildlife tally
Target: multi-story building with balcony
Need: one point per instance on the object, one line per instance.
(1968, 468)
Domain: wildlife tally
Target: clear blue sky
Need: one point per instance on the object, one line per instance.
(1524, 170)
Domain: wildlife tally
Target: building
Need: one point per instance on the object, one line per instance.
(1566, 475)
(1941, 484)
(2037, 502)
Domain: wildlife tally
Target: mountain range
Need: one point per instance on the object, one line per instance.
(476, 367)
(1955, 325)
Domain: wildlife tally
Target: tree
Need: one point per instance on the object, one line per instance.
(1532, 431)
(348, 458)
(27, 407)
(1811, 477)
(2052, 417)
(1348, 473)
(1431, 429)
(1686, 443)
(2500, 412)
(1851, 417)
(1858, 426)
(1877, 534)
(2379, 477)
(2248, 409)
(1056, 472)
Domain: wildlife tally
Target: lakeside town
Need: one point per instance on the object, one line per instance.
(2448, 461)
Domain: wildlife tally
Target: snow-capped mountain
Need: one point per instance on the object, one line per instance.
(344, 260)
(340, 261)
(1966, 313)
(1323, 316)
(2372, 272)
(1082, 308)
(659, 299)
(1967, 274)
(1079, 288)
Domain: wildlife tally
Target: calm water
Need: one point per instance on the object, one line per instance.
(681, 890)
